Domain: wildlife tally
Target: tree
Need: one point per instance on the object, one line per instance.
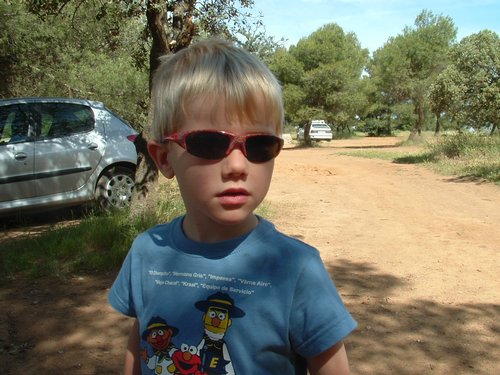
(290, 73)
(405, 67)
(427, 45)
(444, 93)
(253, 38)
(286, 68)
(470, 86)
(327, 67)
(390, 70)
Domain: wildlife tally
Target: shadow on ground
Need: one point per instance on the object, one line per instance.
(37, 222)
(60, 327)
(420, 337)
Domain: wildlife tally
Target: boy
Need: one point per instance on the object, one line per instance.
(220, 290)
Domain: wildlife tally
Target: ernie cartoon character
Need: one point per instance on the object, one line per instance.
(158, 335)
(187, 361)
(219, 310)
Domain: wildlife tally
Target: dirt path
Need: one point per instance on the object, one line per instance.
(415, 256)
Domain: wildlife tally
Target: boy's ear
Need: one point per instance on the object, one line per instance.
(159, 153)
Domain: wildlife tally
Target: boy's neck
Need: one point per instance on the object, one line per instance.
(216, 232)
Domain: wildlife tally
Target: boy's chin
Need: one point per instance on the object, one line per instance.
(233, 218)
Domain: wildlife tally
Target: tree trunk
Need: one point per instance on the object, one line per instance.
(183, 30)
(155, 15)
(420, 118)
(146, 172)
(438, 126)
(493, 128)
(146, 175)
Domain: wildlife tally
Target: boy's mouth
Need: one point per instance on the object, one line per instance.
(234, 191)
(233, 197)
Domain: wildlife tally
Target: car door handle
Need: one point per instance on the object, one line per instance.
(92, 146)
(20, 156)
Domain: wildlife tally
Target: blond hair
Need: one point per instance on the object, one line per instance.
(214, 69)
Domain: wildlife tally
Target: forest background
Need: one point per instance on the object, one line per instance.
(421, 79)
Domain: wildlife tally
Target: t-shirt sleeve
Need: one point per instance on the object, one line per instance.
(120, 295)
(319, 318)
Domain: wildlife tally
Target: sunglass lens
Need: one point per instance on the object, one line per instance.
(262, 148)
(207, 145)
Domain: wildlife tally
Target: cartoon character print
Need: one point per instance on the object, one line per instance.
(187, 361)
(219, 310)
(158, 335)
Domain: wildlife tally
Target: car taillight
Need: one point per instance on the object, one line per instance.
(132, 137)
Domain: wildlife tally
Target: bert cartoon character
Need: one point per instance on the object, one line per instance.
(219, 309)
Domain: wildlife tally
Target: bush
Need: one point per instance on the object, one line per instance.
(471, 155)
(463, 145)
(376, 128)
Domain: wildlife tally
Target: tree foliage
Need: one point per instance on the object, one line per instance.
(107, 50)
(469, 88)
(321, 76)
(71, 49)
(407, 64)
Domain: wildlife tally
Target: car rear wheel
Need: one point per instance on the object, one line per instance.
(114, 188)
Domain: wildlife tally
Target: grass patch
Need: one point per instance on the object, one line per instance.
(412, 139)
(468, 156)
(302, 143)
(473, 156)
(396, 156)
(97, 244)
(266, 210)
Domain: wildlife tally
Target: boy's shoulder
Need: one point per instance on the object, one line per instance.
(282, 240)
(159, 234)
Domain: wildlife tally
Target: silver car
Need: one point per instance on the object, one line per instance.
(63, 152)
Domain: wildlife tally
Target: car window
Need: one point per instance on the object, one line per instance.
(14, 124)
(64, 119)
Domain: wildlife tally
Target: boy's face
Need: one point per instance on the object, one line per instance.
(220, 195)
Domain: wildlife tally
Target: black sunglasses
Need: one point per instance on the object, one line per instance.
(214, 145)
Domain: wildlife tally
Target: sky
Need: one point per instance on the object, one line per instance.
(373, 21)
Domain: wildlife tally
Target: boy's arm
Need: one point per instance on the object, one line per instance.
(333, 361)
(132, 357)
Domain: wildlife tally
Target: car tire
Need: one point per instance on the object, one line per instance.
(114, 188)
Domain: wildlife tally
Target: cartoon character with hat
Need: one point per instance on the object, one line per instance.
(219, 311)
(159, 335)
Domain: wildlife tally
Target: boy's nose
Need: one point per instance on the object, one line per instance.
(235, 162)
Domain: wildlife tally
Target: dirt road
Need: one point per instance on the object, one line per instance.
(414, 254)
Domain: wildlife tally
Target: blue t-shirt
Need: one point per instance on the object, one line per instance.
(257, 304)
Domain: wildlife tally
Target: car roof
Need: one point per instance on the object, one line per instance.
(25, 100)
